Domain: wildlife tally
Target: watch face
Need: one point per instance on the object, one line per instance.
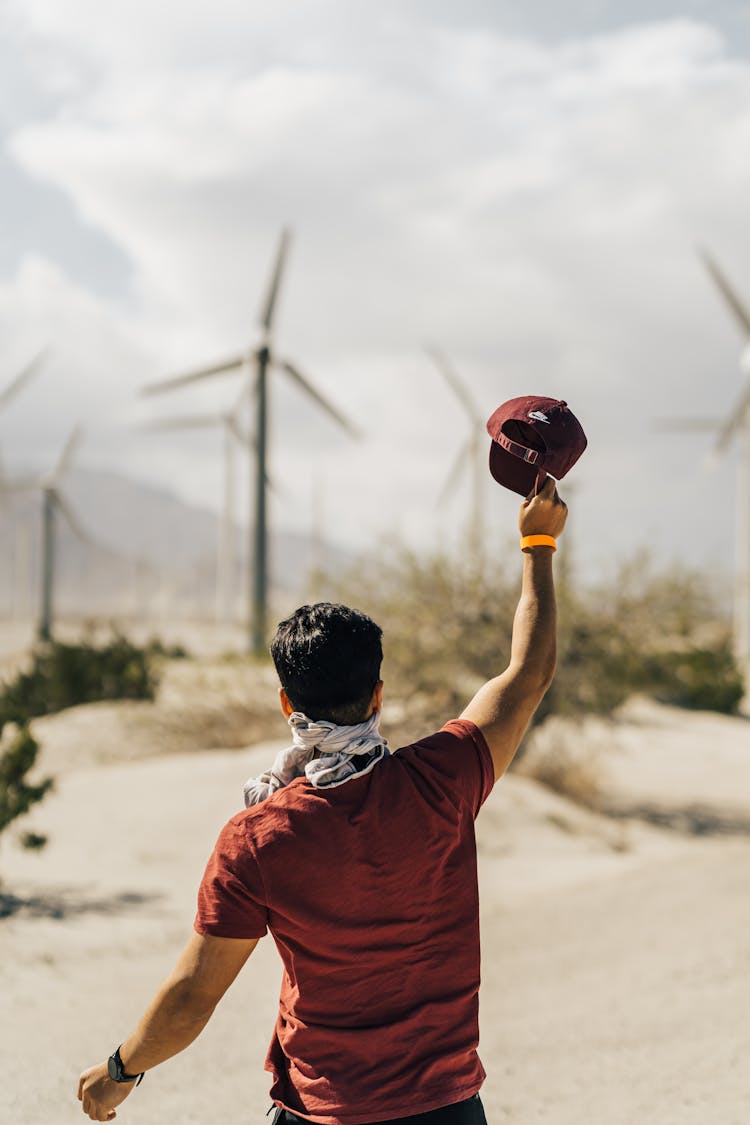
(112, 1067)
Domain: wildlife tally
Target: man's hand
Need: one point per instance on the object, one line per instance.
(543, 514)
(99, 1094)
(178, 1013)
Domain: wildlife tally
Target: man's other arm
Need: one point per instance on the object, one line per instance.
(503, 707)
(175, 1017)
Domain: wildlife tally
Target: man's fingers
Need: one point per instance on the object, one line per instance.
(80, 1088)
(95, 1114)
(546, 492)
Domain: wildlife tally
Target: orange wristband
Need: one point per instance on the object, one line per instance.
(538, 541)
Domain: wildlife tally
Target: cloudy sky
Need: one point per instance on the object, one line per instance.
(523, 185)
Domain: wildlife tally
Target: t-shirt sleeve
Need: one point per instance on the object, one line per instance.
(231, 897)
(459, 760)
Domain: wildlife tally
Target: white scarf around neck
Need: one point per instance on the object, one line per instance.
(344, 752)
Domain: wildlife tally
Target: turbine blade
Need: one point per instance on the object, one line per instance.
(21, 484)
(240, 434)
(733, 423)
(455, 382)
(316, 396)
(249, 390)
(186, 422)
(738, 308)
(71, 519)
(176, 381)
(20, 380)
(455, 472)
(67, 454)
(269, 305)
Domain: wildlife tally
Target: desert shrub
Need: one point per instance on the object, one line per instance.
(156, 647)
(596, 669)
(447, 629)
(704, 679)
(63, 675)
(16, 794)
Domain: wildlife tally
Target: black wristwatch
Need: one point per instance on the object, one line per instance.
(117, 1074)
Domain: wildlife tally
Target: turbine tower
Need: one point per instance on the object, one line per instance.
(735, 424)
(54, 505)
(257, 361)
(472, 455)
(233, 434)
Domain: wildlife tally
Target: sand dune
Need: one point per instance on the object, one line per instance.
(615, 987)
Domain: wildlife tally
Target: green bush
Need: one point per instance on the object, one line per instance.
(16, 795)
(63, 675)
(703, 679)
(156, 647)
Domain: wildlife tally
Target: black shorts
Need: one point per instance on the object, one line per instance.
(469, 1112)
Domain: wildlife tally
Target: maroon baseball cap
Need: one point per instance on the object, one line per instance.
(532, 437)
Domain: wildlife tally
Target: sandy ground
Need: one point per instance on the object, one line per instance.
(616, 981)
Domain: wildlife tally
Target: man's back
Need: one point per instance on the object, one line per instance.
(371, 893)
(369, 890)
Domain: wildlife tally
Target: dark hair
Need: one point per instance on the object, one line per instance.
(328, 660)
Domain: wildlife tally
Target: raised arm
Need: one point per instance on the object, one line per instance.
(503, 707)
(175, 1017)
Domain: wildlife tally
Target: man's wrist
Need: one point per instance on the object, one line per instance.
(118, 1072)
(537, 542)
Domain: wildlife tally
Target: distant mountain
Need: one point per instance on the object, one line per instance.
(152, 552)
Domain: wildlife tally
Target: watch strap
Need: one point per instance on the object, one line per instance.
(117, 1071)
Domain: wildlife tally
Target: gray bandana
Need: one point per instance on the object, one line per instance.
(344, 752)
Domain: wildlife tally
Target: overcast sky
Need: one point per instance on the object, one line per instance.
(524, 185)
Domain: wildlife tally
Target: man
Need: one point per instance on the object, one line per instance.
(363, 866)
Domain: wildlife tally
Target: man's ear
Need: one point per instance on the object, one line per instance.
(286, 706)
(376, 703)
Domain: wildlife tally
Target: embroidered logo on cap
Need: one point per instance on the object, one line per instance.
(540, 417)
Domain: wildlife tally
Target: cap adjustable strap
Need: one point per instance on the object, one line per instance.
(529, 455)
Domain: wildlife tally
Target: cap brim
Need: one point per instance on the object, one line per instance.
(513, 473)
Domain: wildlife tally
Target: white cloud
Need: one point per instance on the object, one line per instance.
(533, 207)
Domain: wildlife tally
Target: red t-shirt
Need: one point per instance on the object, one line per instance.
(370, 892)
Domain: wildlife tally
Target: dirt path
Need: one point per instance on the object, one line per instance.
(616, 967)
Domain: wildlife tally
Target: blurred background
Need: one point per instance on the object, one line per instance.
(265, 271)
(525, 190)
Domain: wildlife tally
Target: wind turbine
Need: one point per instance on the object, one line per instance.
(256, 361)
(15, 385)
(735, 424)
(471, 456)
(233, 434)
(54, 505)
